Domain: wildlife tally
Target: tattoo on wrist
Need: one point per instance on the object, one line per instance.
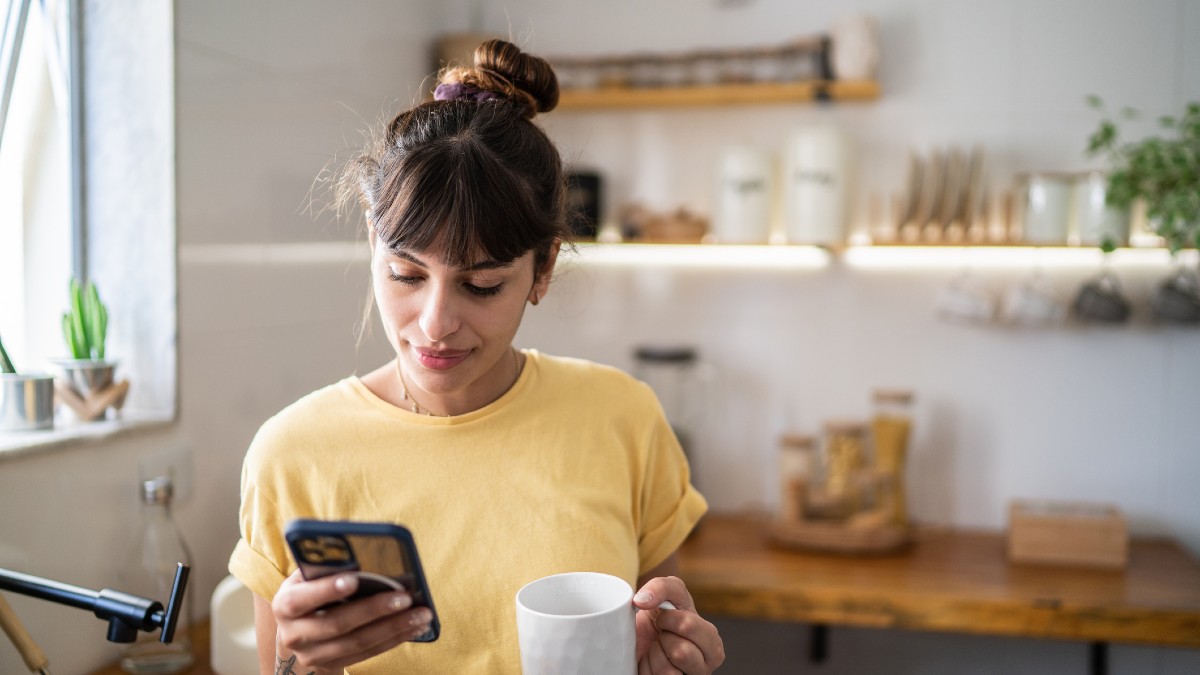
(287, 666)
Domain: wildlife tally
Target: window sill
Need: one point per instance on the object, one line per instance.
(20, 443)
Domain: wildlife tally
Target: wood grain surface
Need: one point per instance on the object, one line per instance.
(947, 580)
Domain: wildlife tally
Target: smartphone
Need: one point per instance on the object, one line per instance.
(383, 554)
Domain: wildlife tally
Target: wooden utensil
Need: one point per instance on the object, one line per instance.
(35, 659)
(931, 195)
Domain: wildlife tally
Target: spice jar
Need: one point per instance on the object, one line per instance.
(795, 471)
(891, 425)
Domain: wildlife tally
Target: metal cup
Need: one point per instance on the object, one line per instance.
(26, 402)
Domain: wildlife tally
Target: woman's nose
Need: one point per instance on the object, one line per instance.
(439, 316)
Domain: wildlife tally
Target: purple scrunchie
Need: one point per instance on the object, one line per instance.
(457, 91)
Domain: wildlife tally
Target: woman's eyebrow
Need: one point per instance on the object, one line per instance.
(408, 257)
(474, 267)
(488, 265)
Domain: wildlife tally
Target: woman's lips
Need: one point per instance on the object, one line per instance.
(440, 360)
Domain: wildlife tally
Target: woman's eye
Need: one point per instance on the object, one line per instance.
(483, 291)
(404, 279)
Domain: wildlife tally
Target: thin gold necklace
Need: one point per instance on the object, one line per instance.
(422, 410)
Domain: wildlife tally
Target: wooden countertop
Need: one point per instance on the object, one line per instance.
(948, 580)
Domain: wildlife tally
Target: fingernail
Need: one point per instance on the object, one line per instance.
(420, 617)
(643, 597)
(344, 582)
(401, 601)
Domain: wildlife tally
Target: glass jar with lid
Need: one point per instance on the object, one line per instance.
(891, 425)
(840, 491)
(796, 463)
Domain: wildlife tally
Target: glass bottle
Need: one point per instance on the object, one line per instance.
(149, 572)
(890, 429)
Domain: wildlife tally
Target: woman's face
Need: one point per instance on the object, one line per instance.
(452, 327)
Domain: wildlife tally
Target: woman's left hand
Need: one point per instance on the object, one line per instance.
(672, 641)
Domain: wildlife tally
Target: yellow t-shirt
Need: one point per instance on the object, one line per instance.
(575, 468)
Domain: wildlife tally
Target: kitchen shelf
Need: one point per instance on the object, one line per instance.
(720, 94)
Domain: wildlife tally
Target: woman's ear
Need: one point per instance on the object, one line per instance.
(542, 276)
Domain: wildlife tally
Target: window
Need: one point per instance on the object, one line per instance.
(35, 177)
(87, 176)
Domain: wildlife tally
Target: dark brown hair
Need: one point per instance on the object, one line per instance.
(475, 177)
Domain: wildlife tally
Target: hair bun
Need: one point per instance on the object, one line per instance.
(502, 67)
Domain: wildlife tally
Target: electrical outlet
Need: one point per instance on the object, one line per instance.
(175, 463)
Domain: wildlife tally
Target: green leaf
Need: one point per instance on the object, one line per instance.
(6, 365)
(1108, 245)
(1094, 101)
(1103, 138)
(79, 345)
(91, 323)
(102, 331)
(73, 339)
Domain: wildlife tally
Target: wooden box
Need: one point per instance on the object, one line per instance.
(1067, 533)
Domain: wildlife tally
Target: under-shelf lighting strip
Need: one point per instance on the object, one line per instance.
(700, 256)
(1000, 257)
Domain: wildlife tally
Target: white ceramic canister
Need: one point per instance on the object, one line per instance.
(816, 185)
(1092, 220)
(1045, 207)
(744, 188)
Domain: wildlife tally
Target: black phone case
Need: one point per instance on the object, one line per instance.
(385, 555)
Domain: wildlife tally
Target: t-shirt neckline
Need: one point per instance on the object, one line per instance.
(527, 374)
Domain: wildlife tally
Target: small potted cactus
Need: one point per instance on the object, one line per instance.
(85, 328)
(26, 399)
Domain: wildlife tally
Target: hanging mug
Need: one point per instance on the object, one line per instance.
(1177, 299)
(1101, 300)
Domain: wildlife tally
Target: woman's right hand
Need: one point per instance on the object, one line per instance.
(313, 640)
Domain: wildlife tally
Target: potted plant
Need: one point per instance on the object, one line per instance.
(85, 329)
(1163, 171)
(26, 400)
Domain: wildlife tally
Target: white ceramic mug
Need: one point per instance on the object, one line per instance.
(1030, 303)
(579, 623)
(966, 300)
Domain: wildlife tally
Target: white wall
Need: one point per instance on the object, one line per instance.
(269, 93)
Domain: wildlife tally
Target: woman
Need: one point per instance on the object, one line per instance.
(507, 465)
